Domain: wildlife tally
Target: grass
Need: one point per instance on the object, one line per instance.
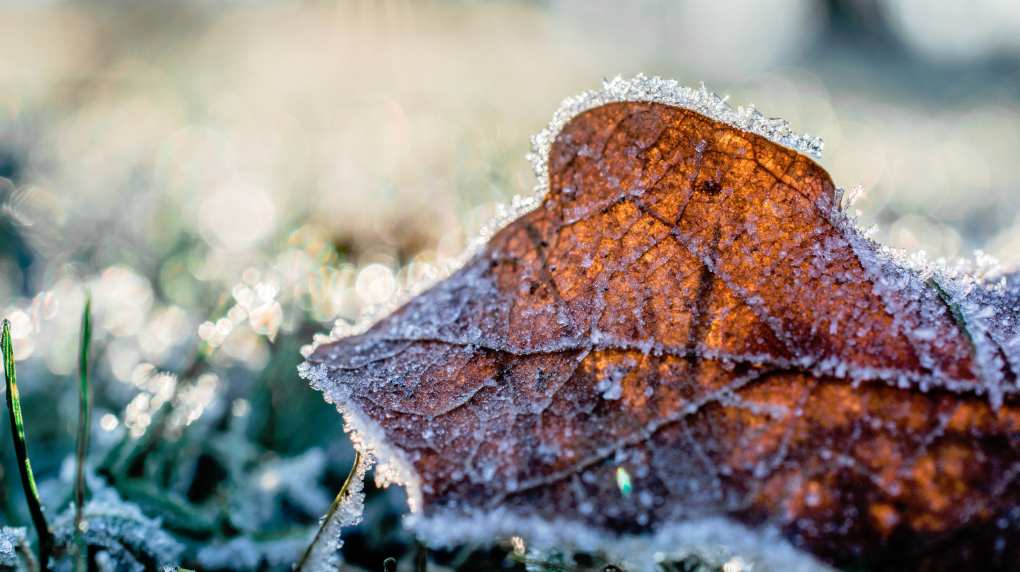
(84, 428)
(21, 450)
(79, 549)
(329, 515)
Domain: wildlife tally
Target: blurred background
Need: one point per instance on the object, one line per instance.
(234, 176)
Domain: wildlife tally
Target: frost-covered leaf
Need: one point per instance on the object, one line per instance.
(688, 348)
(132, 541)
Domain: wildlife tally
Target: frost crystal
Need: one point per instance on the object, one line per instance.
(668, 92)
(10, 539)
(712, 541)
(851, 198)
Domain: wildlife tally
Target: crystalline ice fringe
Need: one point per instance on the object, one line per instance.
(367, 436)
(714, 541)
(970, 290)
(668, 92)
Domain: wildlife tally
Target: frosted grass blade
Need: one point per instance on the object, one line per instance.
(329, 515)
(18, 432)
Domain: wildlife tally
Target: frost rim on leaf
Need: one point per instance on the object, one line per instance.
(392, 466)
(713, 541)
(668, 92)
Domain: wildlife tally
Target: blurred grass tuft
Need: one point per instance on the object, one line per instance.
(84, 429)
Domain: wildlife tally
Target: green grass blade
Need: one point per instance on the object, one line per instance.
(84, 427)
(299, 567)
(18, 432)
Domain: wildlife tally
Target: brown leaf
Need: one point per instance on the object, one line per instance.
(688, 333)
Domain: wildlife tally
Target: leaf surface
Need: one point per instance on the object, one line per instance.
(690, 306)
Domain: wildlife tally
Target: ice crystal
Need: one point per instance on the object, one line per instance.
(668, 92)
(711, 541)
(855, 193)
(10, 539)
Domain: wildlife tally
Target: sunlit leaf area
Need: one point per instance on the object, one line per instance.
(229, 178)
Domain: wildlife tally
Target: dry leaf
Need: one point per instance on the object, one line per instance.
(689, 342)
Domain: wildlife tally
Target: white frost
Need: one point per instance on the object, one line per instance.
(714, 541)
(10, 539)
(668, 92)
(324, 556)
